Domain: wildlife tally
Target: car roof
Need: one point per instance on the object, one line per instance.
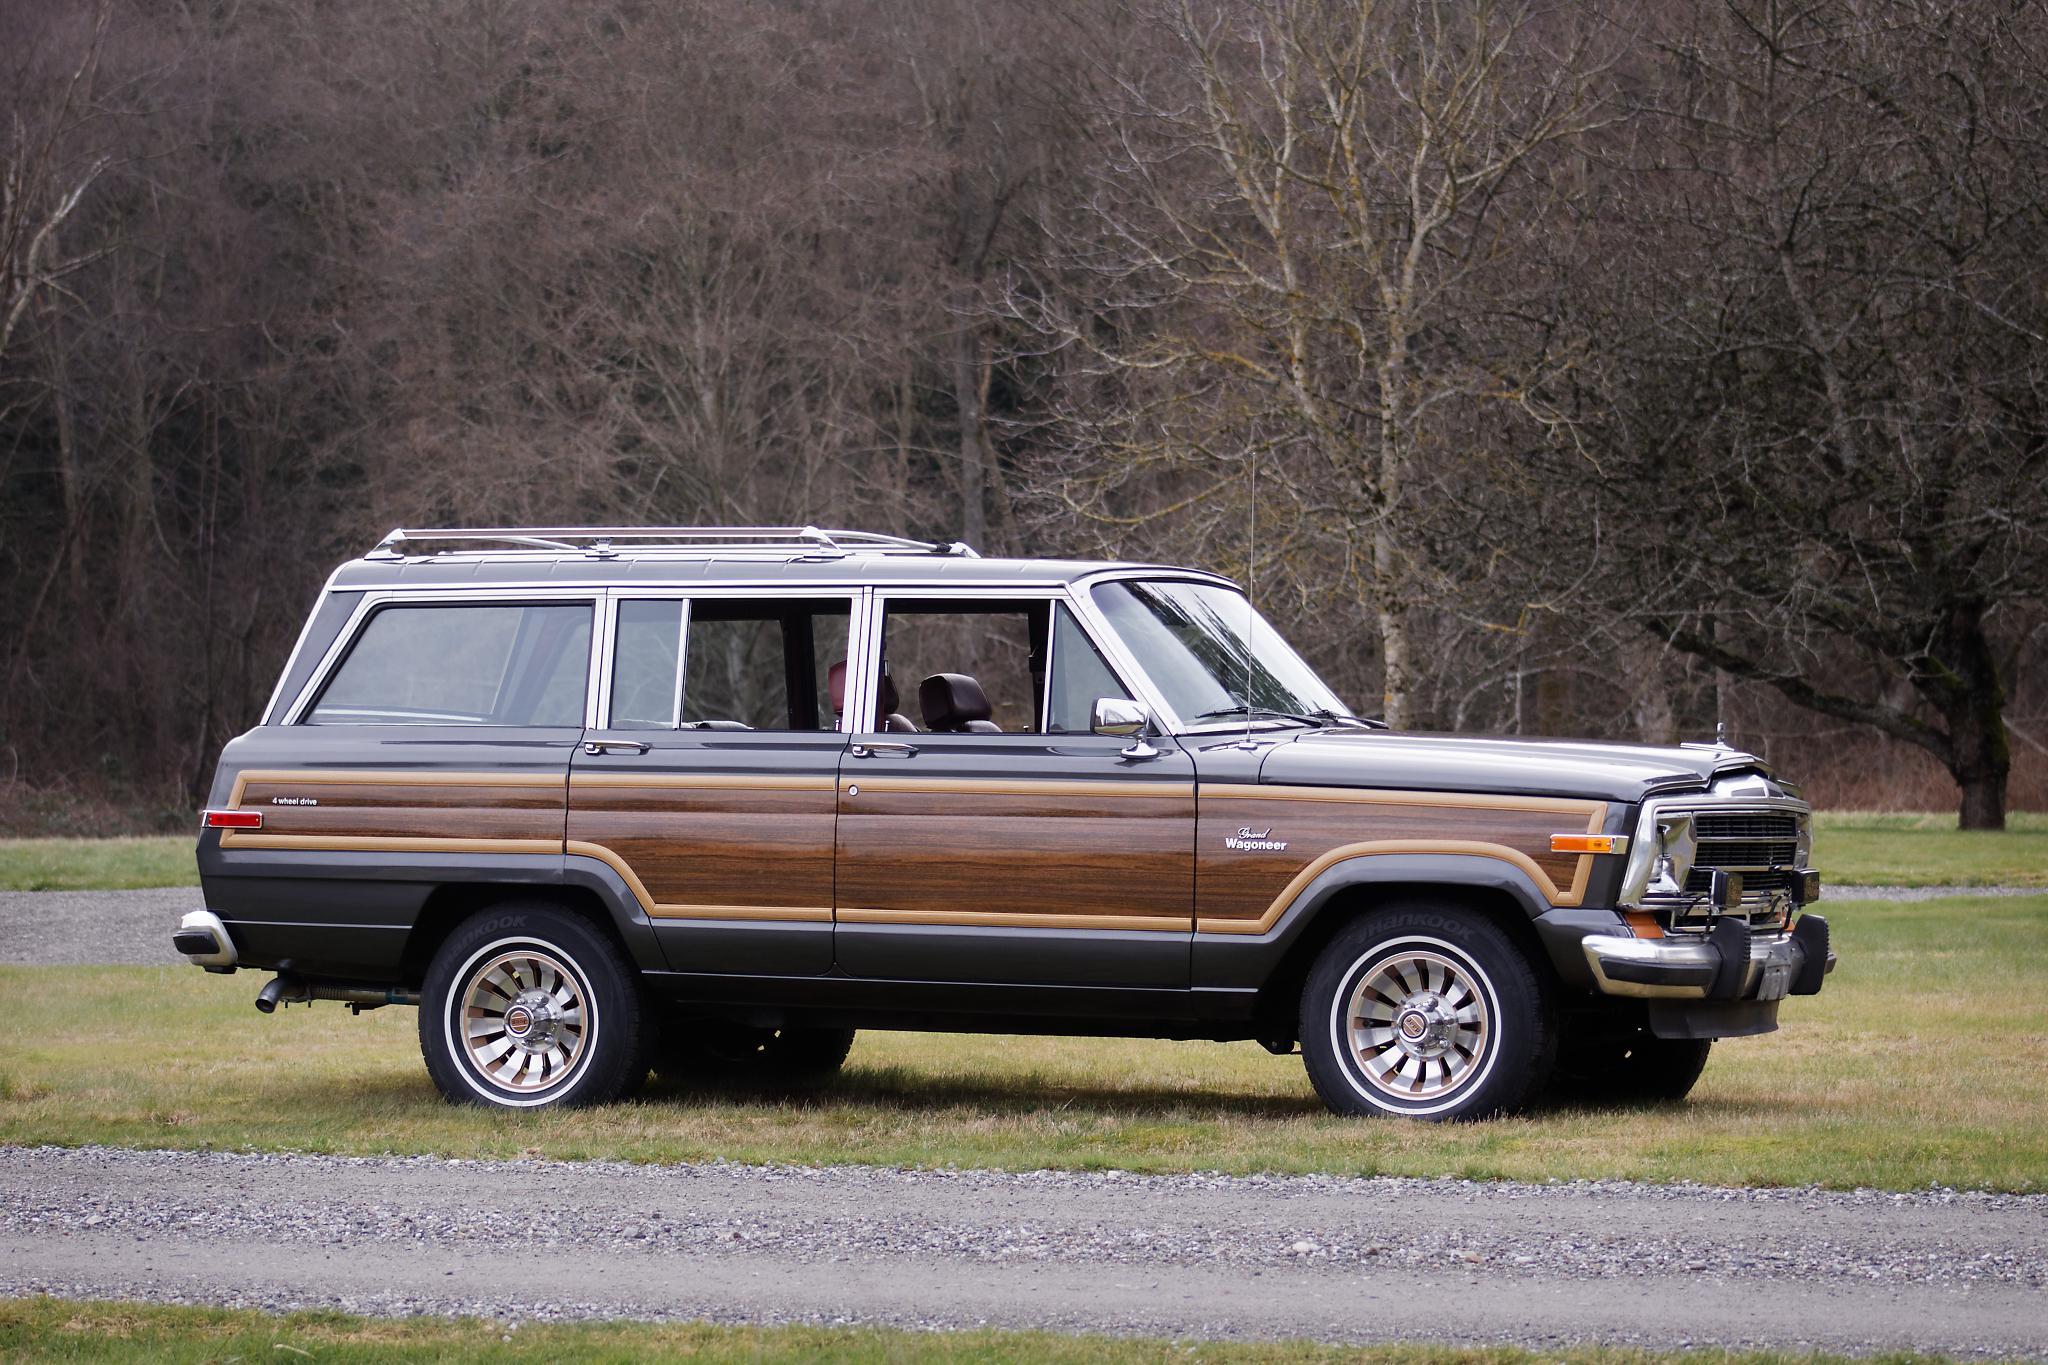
(526, 568)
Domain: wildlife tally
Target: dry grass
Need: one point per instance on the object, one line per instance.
(1919, 1065)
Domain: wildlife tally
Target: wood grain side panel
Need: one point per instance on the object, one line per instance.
(721, 852)
(301, 808)
(1245, 890)
(1019, 853)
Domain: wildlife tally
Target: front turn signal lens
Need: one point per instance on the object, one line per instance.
(1589, 843)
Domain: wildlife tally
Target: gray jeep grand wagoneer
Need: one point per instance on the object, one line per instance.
(705, 801)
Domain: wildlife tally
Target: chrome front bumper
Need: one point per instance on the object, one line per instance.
(1727, 963)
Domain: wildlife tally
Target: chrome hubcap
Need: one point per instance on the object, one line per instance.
(1419, 1024)
(524, 1020)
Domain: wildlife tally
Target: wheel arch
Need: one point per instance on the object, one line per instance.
(588, 889)
(1276, 964)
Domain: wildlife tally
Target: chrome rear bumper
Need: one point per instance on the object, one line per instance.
(1726, 963)
(205, 941)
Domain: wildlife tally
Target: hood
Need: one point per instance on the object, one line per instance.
(1506, 765)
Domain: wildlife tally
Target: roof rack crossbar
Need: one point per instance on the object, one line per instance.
(708, 541)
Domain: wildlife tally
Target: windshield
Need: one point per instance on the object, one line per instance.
(1211, 655)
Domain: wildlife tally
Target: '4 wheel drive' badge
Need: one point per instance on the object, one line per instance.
(1251, 840)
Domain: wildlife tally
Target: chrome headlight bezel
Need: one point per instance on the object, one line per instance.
(1640, 878)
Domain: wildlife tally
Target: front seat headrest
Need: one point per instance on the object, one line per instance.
(954, 702)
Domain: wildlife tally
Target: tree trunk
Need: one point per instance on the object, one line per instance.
(1963, 683)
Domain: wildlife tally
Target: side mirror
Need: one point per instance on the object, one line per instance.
(1119, 717)
(1124, 719)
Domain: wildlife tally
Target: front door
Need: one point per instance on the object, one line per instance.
(708, 785)
(986, 835)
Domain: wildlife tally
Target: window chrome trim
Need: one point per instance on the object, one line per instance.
(867, 602)
(1121, 667)
(351, 629)
(299, 645)
(675, 706)
(1099, 628)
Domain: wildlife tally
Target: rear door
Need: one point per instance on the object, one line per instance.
(707, 783)
(1006, 844)
(433, 744)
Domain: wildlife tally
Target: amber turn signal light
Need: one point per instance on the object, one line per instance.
(234, 819)
(1589, 843)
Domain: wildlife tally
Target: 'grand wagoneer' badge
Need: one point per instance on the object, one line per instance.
(1251, 840)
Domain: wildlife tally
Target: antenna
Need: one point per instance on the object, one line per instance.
(1251, 583)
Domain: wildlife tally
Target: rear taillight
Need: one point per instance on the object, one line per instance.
(234, 819)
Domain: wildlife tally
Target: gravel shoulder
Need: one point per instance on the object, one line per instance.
(103, 928)
(1330, 1258)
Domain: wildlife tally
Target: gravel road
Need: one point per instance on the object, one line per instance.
(134, 927)
(1184, 1256)
(130, 928)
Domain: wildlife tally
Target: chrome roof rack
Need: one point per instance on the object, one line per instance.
(694, 542)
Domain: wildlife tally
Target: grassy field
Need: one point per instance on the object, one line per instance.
(57, 1329)
(1866, 848)
(1920, 1064)
(1890, 848)
(97, 864)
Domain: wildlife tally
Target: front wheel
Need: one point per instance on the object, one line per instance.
(1427, 1012)
(528, 1006)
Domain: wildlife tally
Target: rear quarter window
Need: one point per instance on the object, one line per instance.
(463, 664)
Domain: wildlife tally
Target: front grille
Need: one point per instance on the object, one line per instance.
(1762, 847)
(1746, 825)
(1736, 855)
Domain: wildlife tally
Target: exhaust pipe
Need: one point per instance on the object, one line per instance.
(292, 990)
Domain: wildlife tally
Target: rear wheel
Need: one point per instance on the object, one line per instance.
(1423, 1011)
(717, 1053)
(527, 1006)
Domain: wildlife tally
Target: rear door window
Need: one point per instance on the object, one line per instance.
(481, 663)
(744, 663)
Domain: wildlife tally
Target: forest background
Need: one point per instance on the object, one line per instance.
(1544, 368)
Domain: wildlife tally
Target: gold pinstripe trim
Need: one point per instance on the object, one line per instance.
(383, 843)
(1381, 847)
(948, 786)
(364, 777)
(813, 914)
(1593, 812)
(392, 843)
(369, 843)
(1558, 805)
(978, 920)
(702, 781)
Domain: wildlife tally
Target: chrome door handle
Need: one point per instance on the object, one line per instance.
(606, 746)
(888, 748)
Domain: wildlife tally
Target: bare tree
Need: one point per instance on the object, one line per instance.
(1320, 203)
(1821, 420)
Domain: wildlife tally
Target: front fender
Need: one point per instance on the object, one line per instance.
(1227, 962)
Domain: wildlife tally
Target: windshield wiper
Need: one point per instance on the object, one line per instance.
(1329, 717)
(1319, 717)
(1258, 713)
